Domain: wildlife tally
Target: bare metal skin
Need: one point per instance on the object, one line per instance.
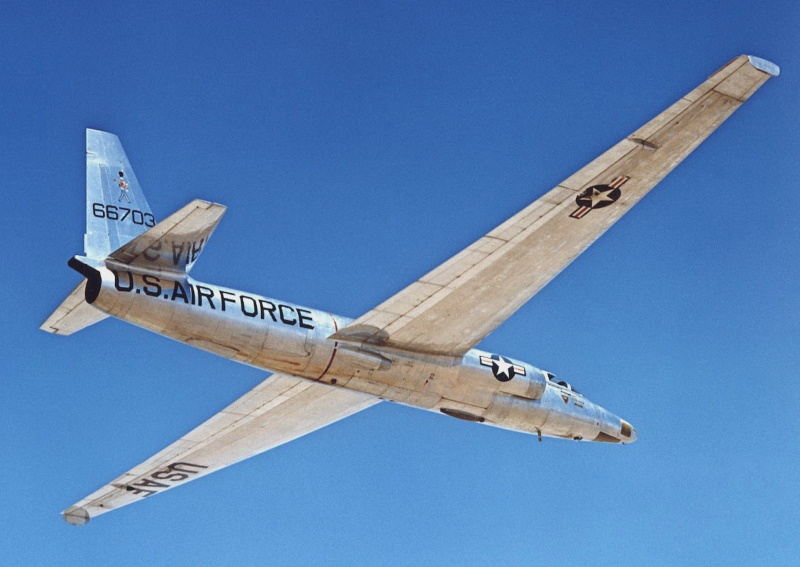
(281, 337)
(416, 348)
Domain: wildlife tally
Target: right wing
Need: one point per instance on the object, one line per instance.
(278, 410)
(451, 309)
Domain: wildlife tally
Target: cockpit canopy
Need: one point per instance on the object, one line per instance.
(566, 385)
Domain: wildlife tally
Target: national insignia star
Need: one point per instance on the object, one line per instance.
(502, 367)
(599, 196)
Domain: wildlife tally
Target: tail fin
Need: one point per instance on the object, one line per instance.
(116, 213)
(116, 209)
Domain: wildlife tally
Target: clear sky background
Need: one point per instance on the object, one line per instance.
(358, 145)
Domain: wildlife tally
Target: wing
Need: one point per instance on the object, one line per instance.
(278, 410)
(455, 306)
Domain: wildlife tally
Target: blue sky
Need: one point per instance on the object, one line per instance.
(358, 145)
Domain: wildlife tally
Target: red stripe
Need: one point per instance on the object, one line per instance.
(619, 182)
(580, 212)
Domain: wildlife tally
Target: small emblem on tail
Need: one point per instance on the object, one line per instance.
(123, 185)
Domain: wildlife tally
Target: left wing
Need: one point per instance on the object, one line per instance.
(278, 410)
(451, 309)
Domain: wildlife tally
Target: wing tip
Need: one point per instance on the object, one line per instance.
(763, 65)
(76, 516)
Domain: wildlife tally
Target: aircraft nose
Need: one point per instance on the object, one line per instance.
(628, 432)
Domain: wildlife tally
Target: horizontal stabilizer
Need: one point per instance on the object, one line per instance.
(73, 314)
(172, 246)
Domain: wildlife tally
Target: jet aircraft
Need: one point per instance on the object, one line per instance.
(416, 348)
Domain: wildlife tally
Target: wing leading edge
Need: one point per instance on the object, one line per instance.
(454, 307)
(278, 410)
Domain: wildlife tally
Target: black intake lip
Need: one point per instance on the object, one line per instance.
(93, 278)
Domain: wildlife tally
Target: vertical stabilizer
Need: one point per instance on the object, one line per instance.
(116, 213)
(116, 209)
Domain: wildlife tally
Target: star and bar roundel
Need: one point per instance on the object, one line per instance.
(502, 368)
(598, 196)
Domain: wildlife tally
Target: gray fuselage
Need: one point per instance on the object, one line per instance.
(283, 337)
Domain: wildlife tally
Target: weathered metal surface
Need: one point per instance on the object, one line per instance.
(413, 349)
(73, 314)
(278, 410)
(455, 306)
